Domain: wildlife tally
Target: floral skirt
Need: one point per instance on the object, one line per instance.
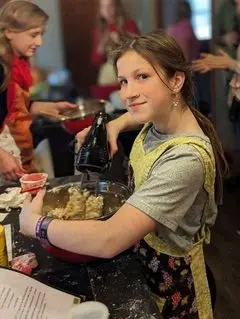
(170, 278)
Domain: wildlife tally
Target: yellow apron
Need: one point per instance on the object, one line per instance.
(142, 163)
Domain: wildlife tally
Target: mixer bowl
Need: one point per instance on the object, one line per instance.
(114, 195)
(75, 120)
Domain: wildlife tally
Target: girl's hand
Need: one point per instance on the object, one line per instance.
(30, 213)
(210, 61)
(112, 132)
(201, 65)
(62, 106)
(52, 107)
(10, 168)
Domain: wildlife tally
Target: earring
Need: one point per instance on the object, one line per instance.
(175, 101)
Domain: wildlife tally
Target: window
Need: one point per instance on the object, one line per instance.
(202, 18)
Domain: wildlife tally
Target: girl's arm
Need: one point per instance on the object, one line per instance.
(52, 107)
(98, 55)
(209, 62)
(126, 123)
(123, 123)
(103, 239)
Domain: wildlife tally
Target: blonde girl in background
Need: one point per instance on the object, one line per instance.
(22, 25)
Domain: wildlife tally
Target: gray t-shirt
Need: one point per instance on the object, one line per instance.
(173, 193)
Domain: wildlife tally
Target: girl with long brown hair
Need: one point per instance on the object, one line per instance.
(178, 165)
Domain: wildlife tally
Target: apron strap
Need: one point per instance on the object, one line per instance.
(199, 274)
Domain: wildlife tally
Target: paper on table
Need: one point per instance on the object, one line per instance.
(24, 297)
(3, 216)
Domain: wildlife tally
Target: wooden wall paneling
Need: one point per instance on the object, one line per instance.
(158, 14)
(79, 19)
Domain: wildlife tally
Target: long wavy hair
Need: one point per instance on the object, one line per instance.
(17, 16)
(161, 50)
(102, 24)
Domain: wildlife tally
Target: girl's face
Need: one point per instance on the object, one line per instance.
(146, 97)
(25, 43)
(108, 10)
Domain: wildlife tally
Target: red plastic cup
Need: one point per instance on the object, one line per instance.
(33, 182)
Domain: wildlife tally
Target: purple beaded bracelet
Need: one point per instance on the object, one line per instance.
(38, 227)
(41, 229)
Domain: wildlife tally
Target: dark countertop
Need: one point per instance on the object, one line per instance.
(118, 283)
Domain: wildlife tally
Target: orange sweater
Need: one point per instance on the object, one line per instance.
(18, 124)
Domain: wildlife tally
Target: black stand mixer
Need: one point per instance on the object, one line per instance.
(94, 154)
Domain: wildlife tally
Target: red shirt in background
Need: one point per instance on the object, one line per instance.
(97, 58)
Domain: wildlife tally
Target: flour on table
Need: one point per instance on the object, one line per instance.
(12, 198)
